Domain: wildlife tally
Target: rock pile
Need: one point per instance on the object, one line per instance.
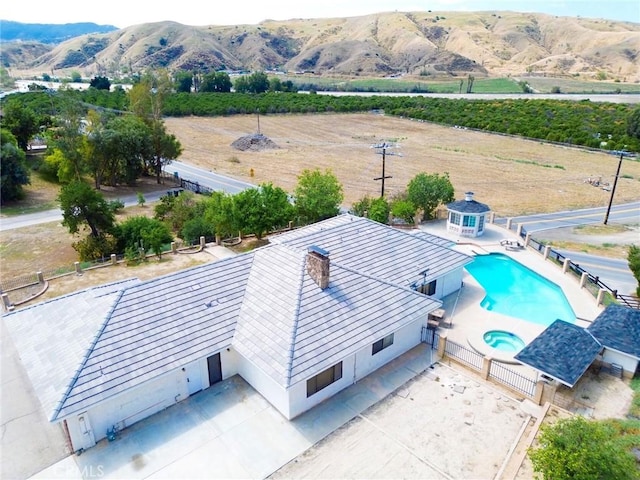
(255, 143)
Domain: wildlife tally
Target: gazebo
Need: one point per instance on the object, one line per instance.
(467, 217)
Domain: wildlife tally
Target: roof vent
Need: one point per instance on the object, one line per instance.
(318, 265)
(468, 196)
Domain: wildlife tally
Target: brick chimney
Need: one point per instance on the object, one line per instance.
(318, 265)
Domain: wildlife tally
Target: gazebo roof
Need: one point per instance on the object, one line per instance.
(468, 205)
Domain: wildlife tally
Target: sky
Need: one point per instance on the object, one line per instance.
(123, 13)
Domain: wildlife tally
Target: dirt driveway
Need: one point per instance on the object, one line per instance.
(443, 424)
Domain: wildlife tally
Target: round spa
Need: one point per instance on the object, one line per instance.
(503, 340)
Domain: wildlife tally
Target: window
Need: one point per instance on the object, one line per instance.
(428, 288)
(324, 379)
(469, 221)
(382, 344)
(481, 224)
(454, 218)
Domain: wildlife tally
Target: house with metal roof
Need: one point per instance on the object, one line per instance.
(300, 319)
(467, 217)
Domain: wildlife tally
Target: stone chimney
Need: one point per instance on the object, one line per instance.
(468, 196)
(318, 265)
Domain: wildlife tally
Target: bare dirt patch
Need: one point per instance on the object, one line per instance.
(513, 176)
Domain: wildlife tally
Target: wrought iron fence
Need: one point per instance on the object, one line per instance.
(512, 378)
(465, 355)
(18, 281)
(592, 280)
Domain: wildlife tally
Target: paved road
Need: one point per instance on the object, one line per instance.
(628, 214)
(195, 174)
(208, 179)
(612, 272)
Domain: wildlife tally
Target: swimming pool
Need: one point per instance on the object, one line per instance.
(515, 290)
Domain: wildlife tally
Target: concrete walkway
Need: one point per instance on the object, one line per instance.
(230, 431)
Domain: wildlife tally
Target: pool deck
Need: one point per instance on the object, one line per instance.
(466, 321)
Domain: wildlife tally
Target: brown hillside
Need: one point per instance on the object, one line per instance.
(446, 43)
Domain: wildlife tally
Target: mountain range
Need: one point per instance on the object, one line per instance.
(421, 43)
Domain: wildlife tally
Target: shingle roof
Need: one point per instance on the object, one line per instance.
(562, 351)
(468, 206)
(378, 250)
(52, 337)
(618, 328)
(292, 329)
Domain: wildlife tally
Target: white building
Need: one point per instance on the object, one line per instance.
(467, 217)
(300, 319)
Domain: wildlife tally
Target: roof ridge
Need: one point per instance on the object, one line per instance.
(85, 358)
(72, 294)
(296, 316)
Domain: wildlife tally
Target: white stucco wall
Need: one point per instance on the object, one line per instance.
(151, 397)
(299, 403)
(275, 394)
(403, 340)
(628, 363)
(448, 284)
(131, 406)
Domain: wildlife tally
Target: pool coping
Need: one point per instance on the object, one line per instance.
(468, 321)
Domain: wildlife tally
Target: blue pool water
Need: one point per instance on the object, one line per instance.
(502, 340)
(513, 289)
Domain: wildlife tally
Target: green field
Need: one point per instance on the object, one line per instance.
(481, 85)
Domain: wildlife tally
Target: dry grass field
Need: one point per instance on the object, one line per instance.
(509, 174)
(513, 176)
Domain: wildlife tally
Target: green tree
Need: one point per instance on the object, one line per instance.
(141, 231)
(219, 212)
(69, 137)
(578, 449)
(216, 82)
(100, 83)
(76, 77)
(379, 210)
(633, 124)
(183, 81)
(13, 169)
(403, 209)
(165, 147)
(176, 211)
(633, 257)
(81, 206)
(361, 207)
(428, 191)
(195, 228)
(317, 196)
(21, 121)
(261, 210)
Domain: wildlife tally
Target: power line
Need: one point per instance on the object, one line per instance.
(382, 150)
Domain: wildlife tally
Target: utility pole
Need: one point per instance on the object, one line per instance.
(615, 182)
(383, 151)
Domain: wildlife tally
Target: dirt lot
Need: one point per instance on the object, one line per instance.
(440, 425)
(511, 175)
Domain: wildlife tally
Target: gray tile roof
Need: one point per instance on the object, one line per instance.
(378, 250)
(618, 328)
(52, 337)
(562, 351)
(291, 329)
(264, 303)
(158, 326)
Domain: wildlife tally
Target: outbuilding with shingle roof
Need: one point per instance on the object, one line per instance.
(467, 217)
